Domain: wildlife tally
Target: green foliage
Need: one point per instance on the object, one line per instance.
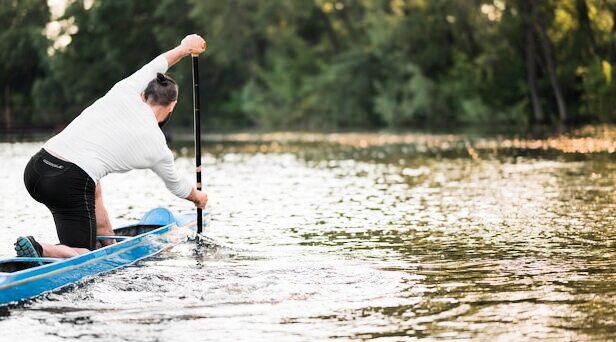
(22, 48)
(598, 89)
(325, 64)
(407, 98)
(113, 38)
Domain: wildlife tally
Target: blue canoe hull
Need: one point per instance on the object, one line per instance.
(162, 229)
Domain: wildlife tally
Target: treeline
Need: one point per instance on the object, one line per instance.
(322, 64)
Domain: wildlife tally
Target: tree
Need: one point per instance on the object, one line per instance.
(336, 64)
(112, 40)
(22, 48)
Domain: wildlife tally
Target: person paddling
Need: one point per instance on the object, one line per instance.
(119, 132)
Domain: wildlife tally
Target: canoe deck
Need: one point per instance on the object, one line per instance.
(19, 264)
(24, 278)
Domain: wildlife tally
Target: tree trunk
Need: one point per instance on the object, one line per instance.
(531, 77)
(530, 59)
(583, 18)
(546, 47)
(331, 34)
(612, 41)
(472, 42)
(348, 22)
(8, 113)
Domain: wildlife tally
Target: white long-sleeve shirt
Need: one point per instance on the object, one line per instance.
(119, 133)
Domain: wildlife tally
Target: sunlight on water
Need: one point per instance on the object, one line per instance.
(331, 241)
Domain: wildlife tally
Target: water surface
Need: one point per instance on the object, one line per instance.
(399, 240)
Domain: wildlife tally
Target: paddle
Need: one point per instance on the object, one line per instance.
(197, 114)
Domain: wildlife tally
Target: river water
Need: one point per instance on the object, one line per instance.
(397, 240)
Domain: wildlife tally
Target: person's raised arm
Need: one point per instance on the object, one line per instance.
(136, 83)
(191, 45)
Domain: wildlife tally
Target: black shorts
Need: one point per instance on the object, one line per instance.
(68, 192)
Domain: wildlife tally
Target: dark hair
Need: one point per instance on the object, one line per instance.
(162, 90)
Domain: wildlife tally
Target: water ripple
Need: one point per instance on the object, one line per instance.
(332, 243)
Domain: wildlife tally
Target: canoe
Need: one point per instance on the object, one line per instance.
(159, 229)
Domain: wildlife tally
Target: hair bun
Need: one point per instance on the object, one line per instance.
(161, 78)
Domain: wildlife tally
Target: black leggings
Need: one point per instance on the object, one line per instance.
(68, 192)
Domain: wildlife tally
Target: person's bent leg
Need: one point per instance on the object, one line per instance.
(75, 213)
(61, 251)
(27, 246)
(68, 192)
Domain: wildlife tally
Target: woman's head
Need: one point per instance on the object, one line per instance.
(161, 91)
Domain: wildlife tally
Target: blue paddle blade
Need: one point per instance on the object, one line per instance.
(158, 216)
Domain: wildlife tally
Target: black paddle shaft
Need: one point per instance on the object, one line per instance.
(197, 113)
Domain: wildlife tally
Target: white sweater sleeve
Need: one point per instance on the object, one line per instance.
(138, 81)
(166, 170)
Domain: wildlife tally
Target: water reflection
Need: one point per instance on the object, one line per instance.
(406, 239)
